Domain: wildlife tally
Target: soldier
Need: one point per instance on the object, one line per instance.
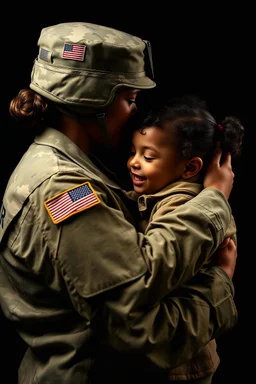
(91, 297)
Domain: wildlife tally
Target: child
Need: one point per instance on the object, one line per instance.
(169, 154)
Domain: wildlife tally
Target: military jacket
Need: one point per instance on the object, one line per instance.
(151, 207)
(169, 198)
(88, 293)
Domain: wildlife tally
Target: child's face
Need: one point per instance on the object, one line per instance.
(154, 161)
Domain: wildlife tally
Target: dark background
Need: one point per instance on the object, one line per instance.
(201, 49)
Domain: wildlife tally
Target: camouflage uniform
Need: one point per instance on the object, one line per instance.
(154, 206)
(90, 296)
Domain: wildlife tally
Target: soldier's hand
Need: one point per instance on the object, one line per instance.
(226, 256)
(220, 175)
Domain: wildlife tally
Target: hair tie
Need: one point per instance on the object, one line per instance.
(220, 127)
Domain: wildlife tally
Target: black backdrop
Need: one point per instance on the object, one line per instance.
(195, 50)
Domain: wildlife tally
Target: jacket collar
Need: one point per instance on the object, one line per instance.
(56, 139)
(181, 186)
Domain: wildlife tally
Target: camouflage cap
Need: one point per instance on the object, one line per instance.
(80, 65)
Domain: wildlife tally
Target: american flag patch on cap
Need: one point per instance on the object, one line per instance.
(70, 202)
(74, 52)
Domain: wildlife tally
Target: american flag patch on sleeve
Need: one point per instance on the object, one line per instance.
(74, 52)
(71, 201)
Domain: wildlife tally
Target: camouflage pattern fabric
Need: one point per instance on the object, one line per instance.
(80, 65)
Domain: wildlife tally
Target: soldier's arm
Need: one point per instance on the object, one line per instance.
(177, 327)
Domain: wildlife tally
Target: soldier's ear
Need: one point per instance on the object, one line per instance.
(192, 168)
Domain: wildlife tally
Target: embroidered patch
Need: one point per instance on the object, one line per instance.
(45, 55)
(71, 201)
(74, 52)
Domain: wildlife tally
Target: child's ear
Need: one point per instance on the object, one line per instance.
(192, 168)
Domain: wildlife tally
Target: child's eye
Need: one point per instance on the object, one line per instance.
(148, 158)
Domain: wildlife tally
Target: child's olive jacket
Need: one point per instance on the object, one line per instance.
(155, 206)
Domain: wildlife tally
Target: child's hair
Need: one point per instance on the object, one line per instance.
(195, 129)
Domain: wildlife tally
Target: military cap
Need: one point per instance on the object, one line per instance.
(80, 65)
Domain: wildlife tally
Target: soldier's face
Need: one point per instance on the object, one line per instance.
(120, 111)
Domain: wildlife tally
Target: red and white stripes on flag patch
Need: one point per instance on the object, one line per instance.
(74, 52)
(71, 201)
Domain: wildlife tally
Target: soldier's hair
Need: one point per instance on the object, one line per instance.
(31, 109)
(194, 130)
